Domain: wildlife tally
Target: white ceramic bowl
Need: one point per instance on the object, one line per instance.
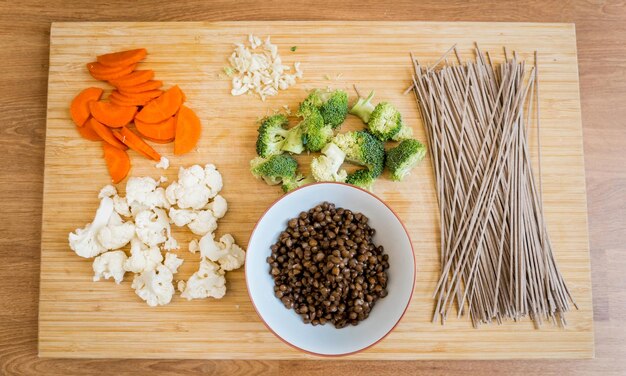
(325, 339)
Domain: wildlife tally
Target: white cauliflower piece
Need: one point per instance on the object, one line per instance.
(172, 262)
(204, 223)
(208, 281)
(84, 241)
(182, 217)
(142, 258)
(194, 187)
(110, 265)
(121, 206)
(225, 252)
(144, 192)
(152, 227)
(155, 286)
(164, 163)
(194, 246)
(116, 233)
(218, 206)
(107, 191)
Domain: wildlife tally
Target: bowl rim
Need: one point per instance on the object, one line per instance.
(312, 352)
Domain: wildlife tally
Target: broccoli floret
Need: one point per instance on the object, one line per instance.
(405, 133)
(274, 138)
(298, 181)
(363, 108)
(326, 167)
(315, 134)
(361, 178)
(333, 106)
(275, 169)
(363, 149)
(271, 135)
(385, 121)
(402, 158)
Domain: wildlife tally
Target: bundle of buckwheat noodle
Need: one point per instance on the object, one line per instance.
(496, 257)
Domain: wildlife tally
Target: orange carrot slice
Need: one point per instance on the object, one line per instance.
(135, 142)
(79, 108)
(87, 132)
(188, 130)
(104, 73)
(156, 141)
(148, 85)
(106, 134)
(145, 95)
(118, 162)
(163, 107)
(122, 58)
(135, 78)
(111, 114)
(116, 98)
(163, 131)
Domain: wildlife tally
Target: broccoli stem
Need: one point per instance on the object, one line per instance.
(363, 108)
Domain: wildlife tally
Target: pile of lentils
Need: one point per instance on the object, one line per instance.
(326, 267)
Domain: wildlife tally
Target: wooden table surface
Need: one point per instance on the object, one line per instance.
(24, 42)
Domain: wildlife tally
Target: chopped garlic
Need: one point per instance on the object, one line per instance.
(261, 72)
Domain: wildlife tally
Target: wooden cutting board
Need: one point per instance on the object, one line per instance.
(81, 318)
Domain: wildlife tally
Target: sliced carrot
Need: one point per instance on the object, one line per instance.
(106, 134)
(146, 95)
(87, 132)
(116, 98)
(156, 141)
(163, 107)
(135, 78)
(111, 114)
(148, 85)
(163, 131)
(118, 162)
(135, 142)
(79, 108)
(104, 73)
(123, 58)
(188, 130)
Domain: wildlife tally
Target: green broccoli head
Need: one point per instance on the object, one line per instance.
(363, 149)
(332, 105)
(297, 181)
(315, 133)
(402, 158)
(272, 135)
(274, 169)
(405, 133)
(361, 178)
(335, 109)
(363, 108)
(326, 167)
(385, 121)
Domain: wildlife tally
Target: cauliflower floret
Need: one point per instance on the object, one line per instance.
(144, 192)
(164, 163)
(152, 227)
(110, 265)
(208, 281)
(155, 286)
(199, 222)
(84, 241)
(194, 187)
(116, 233)
(172, 262)
(225, 252)
(194, 246)
(107, 191)
(142, 258)
(218, 206)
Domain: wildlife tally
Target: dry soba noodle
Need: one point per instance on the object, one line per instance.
(496, 256)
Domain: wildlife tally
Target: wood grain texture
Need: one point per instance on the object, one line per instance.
(24, 36)
(79, 318)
